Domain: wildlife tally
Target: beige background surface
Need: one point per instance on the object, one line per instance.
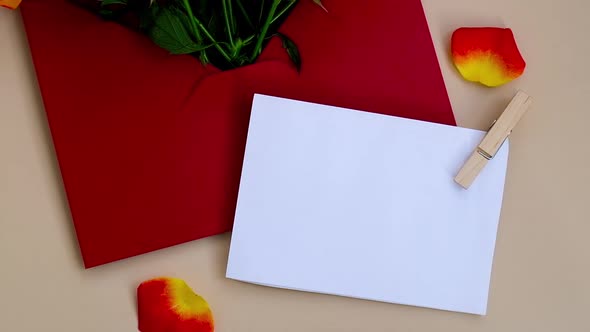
(541, 276)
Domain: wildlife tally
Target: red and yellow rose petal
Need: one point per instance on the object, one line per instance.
(170, 305)
(489, 56)
(11, 4)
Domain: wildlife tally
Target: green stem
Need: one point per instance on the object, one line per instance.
(245, 13)
(231, 15)
(195, 21)
(193, 25)
(248, 40)
(261, 10)
(283, 11)
(271, 13)
(226, 15)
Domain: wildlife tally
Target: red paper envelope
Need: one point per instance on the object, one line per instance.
(150, 145)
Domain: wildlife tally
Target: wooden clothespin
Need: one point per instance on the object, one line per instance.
(491, 143)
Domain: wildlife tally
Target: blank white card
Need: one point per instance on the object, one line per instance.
(363, 205)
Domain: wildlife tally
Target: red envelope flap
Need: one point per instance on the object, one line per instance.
(150, 145)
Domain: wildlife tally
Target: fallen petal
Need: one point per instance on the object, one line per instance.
(12, 4)
(170, 305)
(489, 56)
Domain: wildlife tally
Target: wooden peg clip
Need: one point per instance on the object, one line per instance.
(493, 140)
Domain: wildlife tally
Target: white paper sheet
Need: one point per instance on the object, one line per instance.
(357, 204)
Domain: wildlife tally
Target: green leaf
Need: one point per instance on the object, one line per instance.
(113, 2)
(292, 50)
(319, 3)
(170, 33)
